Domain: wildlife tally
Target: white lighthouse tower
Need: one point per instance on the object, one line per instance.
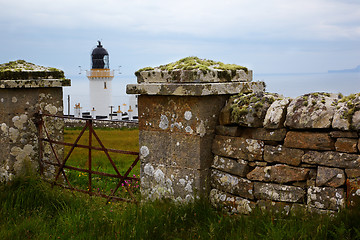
(100, 77)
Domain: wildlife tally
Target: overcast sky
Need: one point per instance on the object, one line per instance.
(268, 36)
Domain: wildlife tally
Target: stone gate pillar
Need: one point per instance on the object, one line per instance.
(25, 90)
(178, 113)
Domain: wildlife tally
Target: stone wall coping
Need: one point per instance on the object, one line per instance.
(194, 76)
(35, 83)
(194, 89)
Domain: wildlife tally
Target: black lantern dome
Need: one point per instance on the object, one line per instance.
(99, 58)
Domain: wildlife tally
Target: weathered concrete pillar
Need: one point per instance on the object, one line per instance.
(178, 113)
(25, 90)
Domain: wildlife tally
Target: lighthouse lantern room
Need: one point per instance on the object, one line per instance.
(100, 77)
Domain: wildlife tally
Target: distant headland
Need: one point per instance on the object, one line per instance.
(352, 70)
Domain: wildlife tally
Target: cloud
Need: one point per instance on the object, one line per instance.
(244, 19)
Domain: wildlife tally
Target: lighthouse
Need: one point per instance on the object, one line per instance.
(100, 77)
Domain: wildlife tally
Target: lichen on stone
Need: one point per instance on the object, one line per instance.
(250, 109)
(195, 63)
(352, 105)
(20, 69)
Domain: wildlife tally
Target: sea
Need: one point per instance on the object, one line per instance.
(287, 84)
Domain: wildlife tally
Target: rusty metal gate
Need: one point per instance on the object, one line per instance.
(61, 162)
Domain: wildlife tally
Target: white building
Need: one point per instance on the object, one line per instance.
(100, 81)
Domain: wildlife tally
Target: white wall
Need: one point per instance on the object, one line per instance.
(100, 98)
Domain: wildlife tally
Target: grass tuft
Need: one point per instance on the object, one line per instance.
(31, 209)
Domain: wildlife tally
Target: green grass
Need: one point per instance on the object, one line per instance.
(30, 209)
(120, 139)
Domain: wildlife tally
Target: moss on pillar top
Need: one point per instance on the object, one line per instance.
(194, 69)
(195, 63)
(22, 70)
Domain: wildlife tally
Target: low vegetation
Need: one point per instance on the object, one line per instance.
(31, 209)
(20, 70)
(191, 63)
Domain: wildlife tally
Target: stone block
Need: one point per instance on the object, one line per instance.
(194, 89)
(193, 76)
(330, 213)
(189, 115)
(309, 140)
(192, 152)
(279, 173)
(225, 113)
(330, 177)
(155, 147)
(236, 147)
(314, 110)
(348, 145)
(326, 198)
(233, 131)
(347, 115)
(342, 134)
(235, 167)
(232, 184)
(355, 123)
(352, 173)
(160, 181)
(23, 100)
(176, 149)
(249, 109)
(230, 202)
(274, 207)
(263, 134)
(332, 159)
(277, 192)
(353, 192)
(276, 114)
(258, 163)
(280, 154)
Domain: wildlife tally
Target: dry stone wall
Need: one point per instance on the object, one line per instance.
(271, 151)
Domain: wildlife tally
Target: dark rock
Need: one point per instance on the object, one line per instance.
(233, 131)
(330, 177)
(348, 145)
(239, 168)
(353, 192)
(309, 140)
(352, 173)
(342, 134)
(332, 159)
(263, 134)
(280, 154)
(225, 113)
(279, 173)
(274, 207)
